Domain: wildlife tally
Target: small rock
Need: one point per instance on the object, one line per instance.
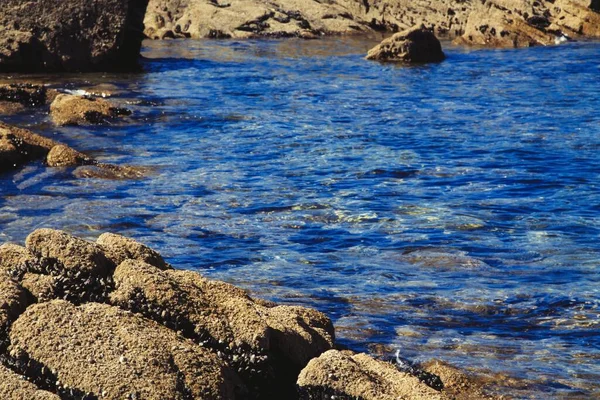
(64, 156)
(417, 45)
(119, 248)
(76, 110)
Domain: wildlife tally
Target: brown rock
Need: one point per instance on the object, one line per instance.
(15, 259)
(16, 387)
(70, 35)
(75, 110)
(13, 301)
(347, 375)
(257, 341)
(119, 248)
(109, 353)
(72, 252)
(418, 45)
(493, 24)
(111, 171)
(457, 384)
(576, 18)
(41, 287)
(9, 108)
(64, 156)
(25, 94)
(19, 146)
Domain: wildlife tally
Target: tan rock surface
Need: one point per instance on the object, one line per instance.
(251, 337)
(15, 259)
(120, 248)
(76, 110)
(19, 146)
(16, 387)
(109, 353)
(342, 373)
(64, 156)
(417, 45)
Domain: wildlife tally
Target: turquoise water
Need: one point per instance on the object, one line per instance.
(449, 210)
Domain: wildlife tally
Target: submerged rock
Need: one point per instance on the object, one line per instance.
(100, 351)
(70, 35)
(76, 110)
(345, 375)
(417, 45)
(16, 387)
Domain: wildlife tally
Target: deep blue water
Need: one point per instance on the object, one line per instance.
(449, 210)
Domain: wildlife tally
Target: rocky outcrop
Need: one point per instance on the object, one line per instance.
(514, 23)
(342, 374)
(17, 97)
(100, 351)
(82, 328)
(251, 337)
(19, 146)
(77, 110)
(418, 45)
(70, 35)
(15, 387)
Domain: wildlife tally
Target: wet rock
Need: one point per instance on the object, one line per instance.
(100, 351)
(418, 45)
(76, 110)
(111, 171)
(16, 387)
(64, 156)
(70, 35)
(19, 146)
(575, 18)
(342, 374)
(457, 384)
(25, 94)
(263, 344)
(443, 259)
(120, 248)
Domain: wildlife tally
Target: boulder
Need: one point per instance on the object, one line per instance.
(70, 35)
(80, 270)
(16, 387)
(13, 301)
(417, 45)
(77, 110)
(265, 345)
(120, 248)
(64, 156)
(15, 260)
(100, 351)
(19, 146)
(343, 374)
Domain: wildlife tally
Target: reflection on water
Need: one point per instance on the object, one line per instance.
(449, 210)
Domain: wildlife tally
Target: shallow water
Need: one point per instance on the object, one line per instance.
(448, 210)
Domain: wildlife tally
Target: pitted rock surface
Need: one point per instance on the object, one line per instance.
(16, 387)
(417, 45)
(120, 248)
(67, 109)
(344, 375)
(109, 353)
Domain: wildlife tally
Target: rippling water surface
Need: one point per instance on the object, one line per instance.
(448, 210)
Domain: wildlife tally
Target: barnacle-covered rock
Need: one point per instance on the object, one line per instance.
(101, 351)
(120, 248)
(77, 110)
(16, 387)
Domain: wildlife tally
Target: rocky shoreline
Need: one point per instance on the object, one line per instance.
(112, 320)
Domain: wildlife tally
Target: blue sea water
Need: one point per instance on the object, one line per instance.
(447, 211)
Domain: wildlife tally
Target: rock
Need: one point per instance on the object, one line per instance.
(76, 110)
(418, 45)
(13, 301)
(247, 18)
(491, 25)
(64, 156)
(15, 387)
(457, 384)
(342, 374)
(16, 97)
(15, 260)
(575, 18)
(110, 171)
(19, 146)
(100, 351)
(266, 345)
(120, 248)
(70, 35)
(443, 259)
(80, 269)
(41, 287)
